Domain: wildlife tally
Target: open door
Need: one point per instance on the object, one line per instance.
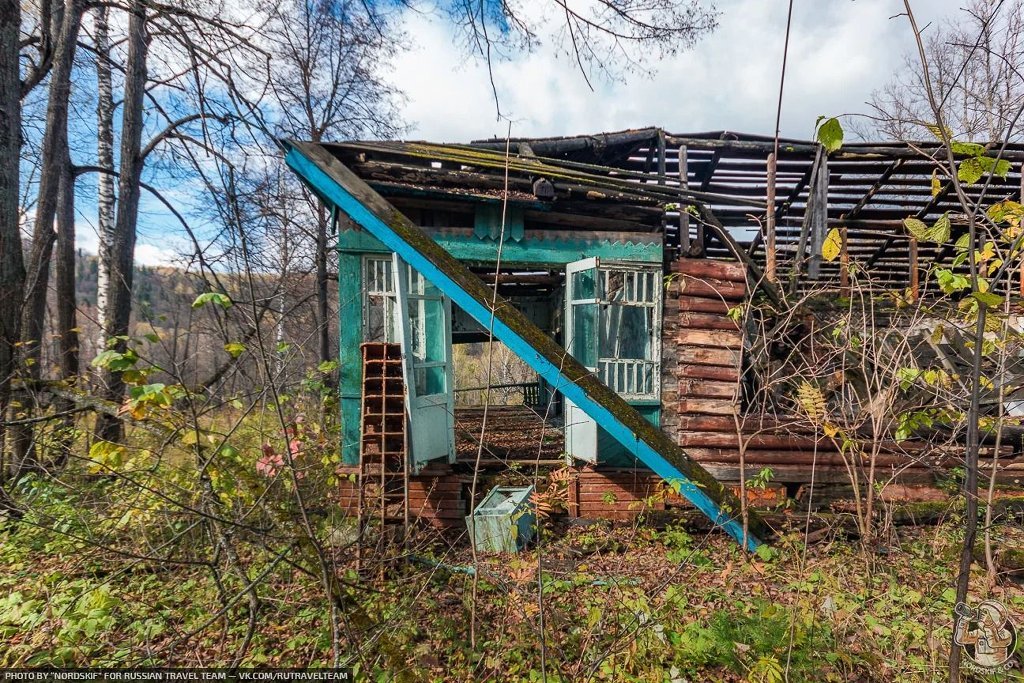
(582, 305)
(613, 328)
(425, 333)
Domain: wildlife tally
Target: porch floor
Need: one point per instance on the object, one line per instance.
(514, 434)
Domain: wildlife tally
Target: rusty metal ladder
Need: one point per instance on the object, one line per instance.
(383, 462)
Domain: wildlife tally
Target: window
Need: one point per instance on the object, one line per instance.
(378, 300)
(629, 340)
(615, 324)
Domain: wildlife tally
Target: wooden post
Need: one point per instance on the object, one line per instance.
(844, 263)
(661, 157)
(914, 281)
(769, 236)
(684, 215)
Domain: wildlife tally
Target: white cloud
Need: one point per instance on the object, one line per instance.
(839, 53)
(158, 250)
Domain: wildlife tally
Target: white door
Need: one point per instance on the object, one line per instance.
(582, 302)
(425, 332)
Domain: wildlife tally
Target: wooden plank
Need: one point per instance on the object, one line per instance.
(684, 215)
(702, 355)
(706, 321)
(675, 303)
(712, 288)
(711, 268)
(709, 372)
(707, 406)
(714, 338)
(707, 388)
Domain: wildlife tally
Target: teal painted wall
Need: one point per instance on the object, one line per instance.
(526, 251)
(350, 362)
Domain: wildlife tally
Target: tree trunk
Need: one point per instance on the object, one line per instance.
(54, 159)
(52, 167)
(323, 322)
(67, 327)
(105, 159)
(122, 248)
(12, 267)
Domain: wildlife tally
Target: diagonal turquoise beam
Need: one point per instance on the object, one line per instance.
(331, 180)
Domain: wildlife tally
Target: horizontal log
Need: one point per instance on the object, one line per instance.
(674, 303)
(721, 270)
(822, 475)
(704, 321)
(704, 355)
(709, 288)
(707, 406)
(707, 423)
(705, 372)
(727, 439)
(822, 459)
(707, 389)
(713, 338)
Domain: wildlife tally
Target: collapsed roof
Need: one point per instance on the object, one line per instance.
(868, 189)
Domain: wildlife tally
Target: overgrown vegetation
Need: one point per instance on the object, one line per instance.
(629, 603)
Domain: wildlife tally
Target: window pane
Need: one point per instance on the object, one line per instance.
(583, 344)
(430, 380)
(419, 286)
(375, 320)
(583, 286)
(626, 332)
(426, 322)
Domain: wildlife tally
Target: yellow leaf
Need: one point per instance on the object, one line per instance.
(936, 185)
(811, 400)
(832, 246)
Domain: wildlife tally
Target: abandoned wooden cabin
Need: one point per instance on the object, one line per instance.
(629, 250)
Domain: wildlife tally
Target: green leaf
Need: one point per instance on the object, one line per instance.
(939, 232)
(990, 299)
(235, 349)
(917, 228)
(970, 171)
(116, 361)
(222, 300)
(830, 134)
(971, 149)
(832, 246)
(997, 167)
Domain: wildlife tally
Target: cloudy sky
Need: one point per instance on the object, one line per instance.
(840, 50)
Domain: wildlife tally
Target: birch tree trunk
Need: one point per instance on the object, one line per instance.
(122, 248)
(105, 159)
(12, 267)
